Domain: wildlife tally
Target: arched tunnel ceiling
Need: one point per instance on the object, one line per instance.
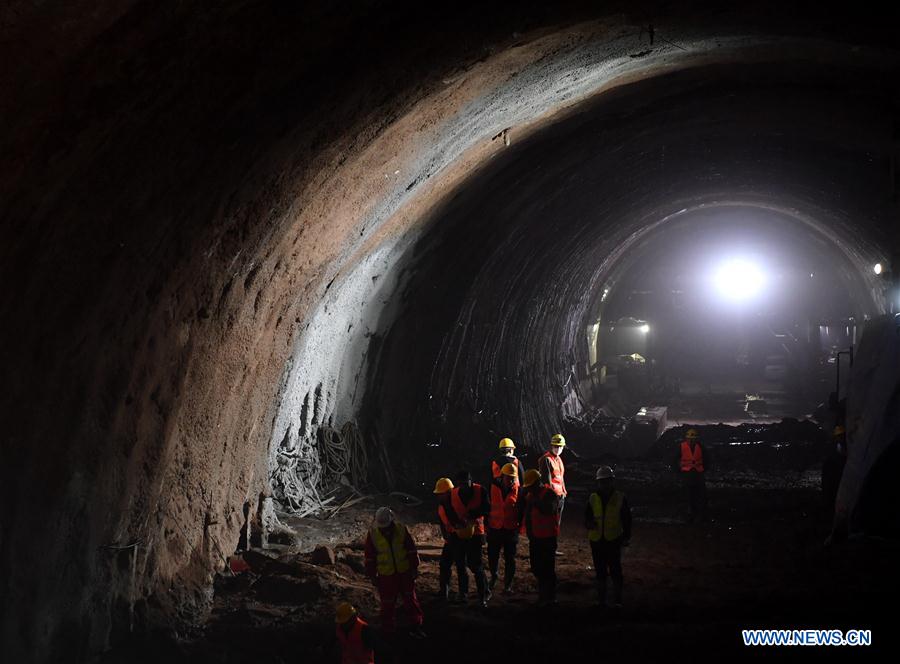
(195, 204)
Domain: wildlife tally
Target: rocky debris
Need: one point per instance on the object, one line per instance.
(322, 555)
(354, 561)
(423, 532)
(285, 589)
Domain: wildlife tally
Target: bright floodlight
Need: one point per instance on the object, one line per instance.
(739, 279)
(878, 268)
(645, 328)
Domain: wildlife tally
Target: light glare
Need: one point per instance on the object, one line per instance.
(739, 280)
(645, 329)
(878, 268)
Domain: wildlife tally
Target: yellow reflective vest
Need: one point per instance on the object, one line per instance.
(391, 557)
(608, 521)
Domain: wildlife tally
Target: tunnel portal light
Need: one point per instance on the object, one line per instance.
(644, 328)
(738, 280)
(878, 268)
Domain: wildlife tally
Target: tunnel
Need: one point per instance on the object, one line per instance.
(269, 266)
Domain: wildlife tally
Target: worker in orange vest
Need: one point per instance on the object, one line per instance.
(356, 638)
(392, 562)
(470, 505)
(691, 464)
(503, 527)
(452, 544)
(506, 453)
(540, 507)
(553, 471)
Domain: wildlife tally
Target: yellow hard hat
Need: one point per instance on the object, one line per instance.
(344, 612)
(443, 485)
(558, 440)
(510, 469)
(507, 444)
(839, 430)
(531, 477)
(691, 434)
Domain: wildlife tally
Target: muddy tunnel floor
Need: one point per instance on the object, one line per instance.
(759, 561)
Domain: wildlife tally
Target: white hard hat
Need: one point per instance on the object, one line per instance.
(384, 517)
(605, 473)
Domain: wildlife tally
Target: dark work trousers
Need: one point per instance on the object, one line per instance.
(507, 541)
(471, 554)
(695, 485)
(608, 560)
(542, 551)
(449, 557)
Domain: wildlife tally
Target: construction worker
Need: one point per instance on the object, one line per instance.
(607, 518)
(470, 505)
(692, 465)
(541, 517)
(504, 523)
(450, 552)
(356, 638)
(505, 454)
(392, 562)
(553, 471)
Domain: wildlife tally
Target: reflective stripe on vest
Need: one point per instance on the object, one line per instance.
(391, 557)
(542, 525)
(504, 511)
(462, 511)
(691, 459)
(557, 473)
(353, 650)
(609, 525)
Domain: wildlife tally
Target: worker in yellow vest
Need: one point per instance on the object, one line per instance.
(392, 562)
(356, 638)
(691, 463)
(607, 518)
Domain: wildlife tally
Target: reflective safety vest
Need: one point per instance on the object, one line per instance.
(557, 473)
(542, 525)
(504, 510)
(463, 510)
(391, 556)
(608, 521)
(691, 459)
(448, 527)
(353, 650)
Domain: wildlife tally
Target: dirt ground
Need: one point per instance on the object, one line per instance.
(760, 561)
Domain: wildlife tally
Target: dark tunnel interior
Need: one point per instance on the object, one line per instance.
(270, 267)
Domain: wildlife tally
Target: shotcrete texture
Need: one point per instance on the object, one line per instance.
(225, 228)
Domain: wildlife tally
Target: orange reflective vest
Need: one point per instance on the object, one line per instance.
(462, 510)
(542, 525)
(691, 459)
(504, 510)
(353, 650)
(557, 473)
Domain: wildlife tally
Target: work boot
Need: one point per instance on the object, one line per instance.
(617, 594)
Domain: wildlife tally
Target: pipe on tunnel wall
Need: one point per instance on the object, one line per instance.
(174, 232)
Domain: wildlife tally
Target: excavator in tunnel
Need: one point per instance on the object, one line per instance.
(278, 276)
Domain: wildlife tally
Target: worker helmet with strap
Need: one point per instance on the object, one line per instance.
(507, 444)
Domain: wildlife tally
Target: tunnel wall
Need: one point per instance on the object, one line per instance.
(873, 431)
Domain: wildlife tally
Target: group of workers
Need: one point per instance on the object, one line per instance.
(472, 516)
